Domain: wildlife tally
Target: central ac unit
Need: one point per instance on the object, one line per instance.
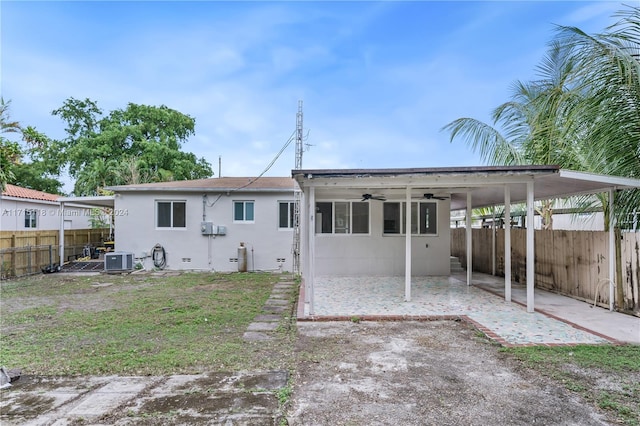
(118, 261)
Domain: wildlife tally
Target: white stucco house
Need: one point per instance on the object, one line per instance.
(201, 224)
(23, 209)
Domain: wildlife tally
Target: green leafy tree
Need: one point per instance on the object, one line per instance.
(35, 174)
(99, 218)
(582, 114)
(9, 151)
(100, 149)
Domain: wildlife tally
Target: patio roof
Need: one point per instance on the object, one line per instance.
(97, 201)
(467, 188)
(485, 183)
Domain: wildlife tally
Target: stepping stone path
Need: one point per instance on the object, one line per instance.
(279, 302)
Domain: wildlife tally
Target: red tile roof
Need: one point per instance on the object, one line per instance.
(31, 194)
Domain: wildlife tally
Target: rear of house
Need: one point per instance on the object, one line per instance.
(201, 224)
(356, 235)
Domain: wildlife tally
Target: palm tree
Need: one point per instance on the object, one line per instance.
(533, 131)
(583, 113)
(606, 123)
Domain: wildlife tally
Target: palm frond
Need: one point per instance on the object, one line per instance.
(493, 148)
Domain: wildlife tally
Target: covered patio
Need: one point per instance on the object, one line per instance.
(380, 270)
(481, 304)
(102, 202)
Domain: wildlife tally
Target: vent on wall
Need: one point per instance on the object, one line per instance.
(118, 261)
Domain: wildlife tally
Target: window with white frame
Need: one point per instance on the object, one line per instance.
(342, 217)
(286, 210)
(243, 211)
(30, 218)
(171, 214)
(424, 219)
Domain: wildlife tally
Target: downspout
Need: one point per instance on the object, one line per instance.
(204, 219)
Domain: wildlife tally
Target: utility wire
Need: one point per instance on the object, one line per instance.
(285, 146)
(291, 139)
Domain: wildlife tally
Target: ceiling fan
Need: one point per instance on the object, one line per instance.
(430, 196)
(367, 197)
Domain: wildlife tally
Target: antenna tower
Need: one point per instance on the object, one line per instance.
(297, 194)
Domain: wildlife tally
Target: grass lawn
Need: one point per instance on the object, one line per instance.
(606, 375)
(138, 324)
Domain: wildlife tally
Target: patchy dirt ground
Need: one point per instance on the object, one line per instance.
(420, 373)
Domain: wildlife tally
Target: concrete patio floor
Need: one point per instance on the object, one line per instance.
(558, 320)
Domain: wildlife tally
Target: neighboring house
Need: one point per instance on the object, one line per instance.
(23, 209)
(567, 215)
(200, 224)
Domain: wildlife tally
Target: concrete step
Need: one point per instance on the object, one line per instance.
(456, 266)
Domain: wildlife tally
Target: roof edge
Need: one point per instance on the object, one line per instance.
(425, 170)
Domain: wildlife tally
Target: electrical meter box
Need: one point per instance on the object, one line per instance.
(208, 228)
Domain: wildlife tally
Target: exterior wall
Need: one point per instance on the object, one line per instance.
(187, 249)
(576, 222)
(12, 215)
(384, 255)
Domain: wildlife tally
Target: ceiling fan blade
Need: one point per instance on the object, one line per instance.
(366, 197)
(430, 196)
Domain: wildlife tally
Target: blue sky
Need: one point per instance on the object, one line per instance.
(378, 79)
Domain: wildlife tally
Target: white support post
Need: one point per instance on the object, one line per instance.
(493, 241)
(612, 252)
(407, 250)
(507, 243)
(305, 227)
(61, 235)
(311, 217)
(531, 255)
(469, 235)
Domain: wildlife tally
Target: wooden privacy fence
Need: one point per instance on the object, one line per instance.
(573, 263)
(27, 252)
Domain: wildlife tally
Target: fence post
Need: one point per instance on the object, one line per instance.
(12, 269)
(38, 255)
